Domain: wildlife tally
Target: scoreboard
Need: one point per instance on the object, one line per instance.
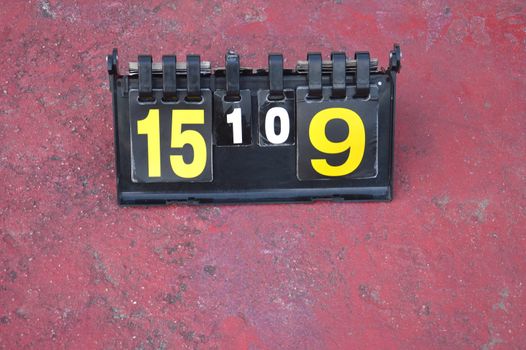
(185, 132)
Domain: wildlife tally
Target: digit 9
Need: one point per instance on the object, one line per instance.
(354, 143)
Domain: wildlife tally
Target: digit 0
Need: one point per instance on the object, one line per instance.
(354, 143)
(284, 120)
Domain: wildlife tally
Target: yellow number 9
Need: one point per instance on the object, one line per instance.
(354, 143)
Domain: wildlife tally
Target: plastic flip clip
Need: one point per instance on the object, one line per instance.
(145, 78)
(232, 76)
(314, 76)
(339, 61)
(395, 59)
(193, 77)
(363, 62)
(112, 63)
(169, 78)
(113, 68)
(275, 75)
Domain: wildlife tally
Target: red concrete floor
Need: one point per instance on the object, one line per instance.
(443, 266)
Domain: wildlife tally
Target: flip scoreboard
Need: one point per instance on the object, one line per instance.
(185, 132)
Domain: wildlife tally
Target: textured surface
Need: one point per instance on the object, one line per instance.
(443, 266)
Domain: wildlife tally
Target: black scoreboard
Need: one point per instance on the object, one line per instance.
(187, 133)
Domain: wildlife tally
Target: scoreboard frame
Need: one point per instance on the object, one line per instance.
(329, 137)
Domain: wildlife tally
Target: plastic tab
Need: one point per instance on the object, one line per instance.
(232, 76)
(338, 74)
(314, 76)
(145, 78)
(169, 78)
(193, 77)
(395, 58)
(275, 76)
(362, 73)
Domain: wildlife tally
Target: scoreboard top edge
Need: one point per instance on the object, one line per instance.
(302, 66)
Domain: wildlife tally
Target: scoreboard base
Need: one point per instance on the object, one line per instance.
(298, 195)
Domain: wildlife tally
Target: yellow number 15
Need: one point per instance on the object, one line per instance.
(354, 143)
(150, 126)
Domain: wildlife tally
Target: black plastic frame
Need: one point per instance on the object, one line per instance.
(261, 174)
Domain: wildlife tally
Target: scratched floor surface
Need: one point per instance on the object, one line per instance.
(443, 266)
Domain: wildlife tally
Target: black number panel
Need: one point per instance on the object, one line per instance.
(337, 138)
(171, 141)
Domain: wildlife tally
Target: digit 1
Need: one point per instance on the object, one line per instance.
(284, 121)
(234, 118)
(149, 126)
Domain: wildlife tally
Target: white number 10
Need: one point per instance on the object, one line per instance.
(234, 118)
